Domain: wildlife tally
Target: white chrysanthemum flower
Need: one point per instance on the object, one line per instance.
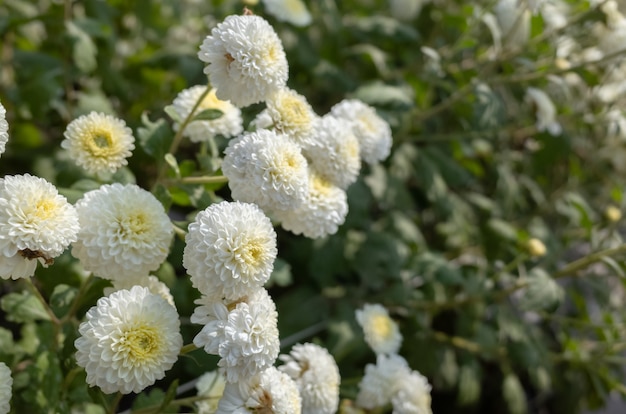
(333, 152)
(316, 373)
(243, 333)
(381, 332)
(128, 341)
(228, 125)
(4, 129)
(323, 211)
(267, 169)
(6, 388)
(544, 110)
(412, 395)
(210, 386)
(380, 382)
(125, 232)
(246, 60)
(291, 114)
(373, 132)
(98, 142)
(514, 22)
(151, 282)
(269, 392)
(290, 11)
(36, 225)
(230, 250)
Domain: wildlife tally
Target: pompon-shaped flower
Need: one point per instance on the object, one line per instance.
(268, 392)
(333, 152)
(380, 382)
(6, 388)
(99, 143)
(373, 132)
(544, 110)
(267, 169)
(230, 250)
(291, 11)
(228, 125)
(125, 232)
(381, 332)
(210, 386)
(128, 341)
(316, 373)
(291, 114)
(4, 129)
(36, 225)
(243, 333)
(324, 210)
(246, 60)
(148, 281)
(412, 394)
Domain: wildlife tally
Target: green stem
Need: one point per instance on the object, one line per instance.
(77, 300)
(588, 260)
(187, 349)
(53, 318)
(115, 403)
(216, 179)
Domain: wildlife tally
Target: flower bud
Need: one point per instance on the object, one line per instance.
(536, 248)
(613, 214)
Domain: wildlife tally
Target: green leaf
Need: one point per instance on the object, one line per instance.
(173, 113)
(209, 114)
(23, 307)
(281, 276)
(84, 50)
(389, 96)
(154, 398)
(469, 384)
(62, 298)
(154, 137)
(514, 395)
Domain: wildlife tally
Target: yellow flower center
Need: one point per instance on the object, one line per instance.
(44, 209)
(99, 142)
(320, 186)
(140, 343)
(382, 326)
(285, 165)
(211, 101)
(133, 225)
(251, 252)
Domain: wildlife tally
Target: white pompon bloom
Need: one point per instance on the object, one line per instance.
(230, 250)
(99, 143)
(4, 129)
(267, 169)
(373, 132)
(128, 341)
(36, 225)
(210, 386)
(6, 388)
(316, 373)
(412, 395)
(243, 333)
(380, 381)
(333, 152)
(323, 211)
(290, 11)
(230, 124)
(544, 110)
(381, 332)
(291, 114)
(269, 392)
(151, 282)
(125, 232)
(246, 60)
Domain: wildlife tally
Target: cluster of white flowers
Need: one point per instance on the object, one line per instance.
(390, 380)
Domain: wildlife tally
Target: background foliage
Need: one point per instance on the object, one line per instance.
(438, 233)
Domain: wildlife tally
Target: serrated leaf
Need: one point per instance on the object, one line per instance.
(23, 307)
(209, 114)
(380, 94)
(154, 137)
(172, 112)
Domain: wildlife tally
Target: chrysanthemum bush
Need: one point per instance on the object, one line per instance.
(310, 207)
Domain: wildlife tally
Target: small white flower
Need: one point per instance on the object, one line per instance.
(36, 225)
(230, 250)
(210, 386)
(545, 111)
(381, 332)
(269, 392)
(267, 169)
(125, 232)
(99, 143)
(243, 333)
(323, 211)
(333, 152)
(290, 11)
(412, 395)
(6, 388)
(246, 60)
(4, 129)
(291, 114)
(228, 125)
(316, 373)
(128, 341)
(373, 132)
(380, 382)
(513, 21)
(151, 282)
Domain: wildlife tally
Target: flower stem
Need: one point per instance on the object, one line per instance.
(187, 349)
(217, 179)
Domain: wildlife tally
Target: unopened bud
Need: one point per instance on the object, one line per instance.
(536, 248)
(613, 214)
